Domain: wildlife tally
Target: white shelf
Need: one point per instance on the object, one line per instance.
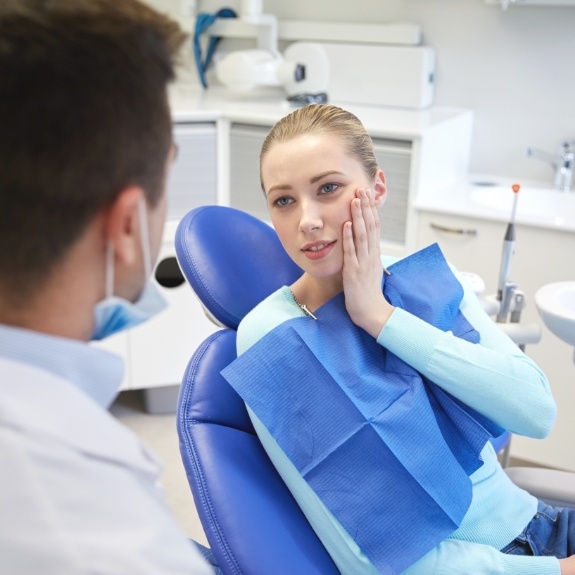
(506, 3)
(401, 33)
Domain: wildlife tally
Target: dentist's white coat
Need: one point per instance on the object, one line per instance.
(79, 492)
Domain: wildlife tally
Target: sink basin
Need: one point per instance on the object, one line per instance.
(532, 202)
(556, 305)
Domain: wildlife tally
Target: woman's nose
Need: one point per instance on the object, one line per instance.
(310, 218)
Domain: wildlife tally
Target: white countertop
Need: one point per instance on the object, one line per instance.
(491, 198)
(191, 104)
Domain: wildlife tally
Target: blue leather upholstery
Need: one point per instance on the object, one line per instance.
(255, 259)
(251, 521)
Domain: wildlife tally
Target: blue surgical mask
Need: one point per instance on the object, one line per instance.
(113, 313)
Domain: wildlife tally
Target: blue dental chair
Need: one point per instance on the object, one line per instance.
(253, 525)
(251, 521)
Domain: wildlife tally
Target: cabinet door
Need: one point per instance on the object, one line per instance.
(394, 158)
(245, 190)
(469, 244)
(192, 177)
(541, 256)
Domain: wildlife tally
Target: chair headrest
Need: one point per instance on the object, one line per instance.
(232, 261)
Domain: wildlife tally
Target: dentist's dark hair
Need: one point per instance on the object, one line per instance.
(83, 114)
(324, 119)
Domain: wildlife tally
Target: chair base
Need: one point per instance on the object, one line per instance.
(161, 400)
(550, 485)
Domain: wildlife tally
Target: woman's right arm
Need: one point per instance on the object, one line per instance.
(494, 377)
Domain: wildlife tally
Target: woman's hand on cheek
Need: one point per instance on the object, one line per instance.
(362, 268)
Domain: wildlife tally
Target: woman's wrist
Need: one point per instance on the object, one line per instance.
(376, 322)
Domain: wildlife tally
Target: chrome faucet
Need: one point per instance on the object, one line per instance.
(561, 162)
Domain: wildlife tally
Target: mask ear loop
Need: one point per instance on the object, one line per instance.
(110, 270)
(145, 238)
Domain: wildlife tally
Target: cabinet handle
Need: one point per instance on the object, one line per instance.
(459, 231)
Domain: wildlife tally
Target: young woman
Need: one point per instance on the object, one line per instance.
(323, 188)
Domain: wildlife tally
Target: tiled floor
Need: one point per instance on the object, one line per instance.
(158, 432)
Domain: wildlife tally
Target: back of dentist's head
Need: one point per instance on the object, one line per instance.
(325, 119)
(83, 114)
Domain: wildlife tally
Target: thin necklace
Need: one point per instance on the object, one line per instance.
(303, 306)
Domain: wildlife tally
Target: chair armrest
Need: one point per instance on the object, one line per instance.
(553, 486)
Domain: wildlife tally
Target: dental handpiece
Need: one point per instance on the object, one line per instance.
(508, 247)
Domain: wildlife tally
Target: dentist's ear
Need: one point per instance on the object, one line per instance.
(379, 188)
(122, 226)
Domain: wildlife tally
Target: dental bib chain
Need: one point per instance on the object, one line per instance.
(306, 309)
(303, 307)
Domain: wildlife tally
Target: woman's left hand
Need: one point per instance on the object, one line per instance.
(362, 268)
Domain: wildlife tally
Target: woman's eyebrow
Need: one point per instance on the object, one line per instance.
(324, 174)
(279, 188)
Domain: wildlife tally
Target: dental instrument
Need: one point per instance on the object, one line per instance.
(505, 288)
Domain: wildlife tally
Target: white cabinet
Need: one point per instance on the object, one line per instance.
(192, 177)
(245, 190)
(541, 256)
(395, 158)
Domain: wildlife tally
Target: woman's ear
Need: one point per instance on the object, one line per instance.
(122, 225)
(380, 189)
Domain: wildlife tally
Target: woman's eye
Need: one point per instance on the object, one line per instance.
(329, 188)
(281, 202)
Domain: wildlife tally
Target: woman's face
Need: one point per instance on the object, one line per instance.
(309, 182)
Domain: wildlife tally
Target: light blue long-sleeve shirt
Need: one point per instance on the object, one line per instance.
(496, 379)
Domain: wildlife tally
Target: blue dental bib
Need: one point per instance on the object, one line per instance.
(387, 451)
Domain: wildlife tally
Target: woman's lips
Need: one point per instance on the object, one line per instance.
(317, 250)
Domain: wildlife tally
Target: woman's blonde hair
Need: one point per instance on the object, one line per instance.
(324, 119)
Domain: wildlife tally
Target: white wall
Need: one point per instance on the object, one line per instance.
(514, 68)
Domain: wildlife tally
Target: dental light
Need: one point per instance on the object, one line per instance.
(303, 69)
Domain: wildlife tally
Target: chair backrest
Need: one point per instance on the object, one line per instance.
(232, 261)
(251, 521)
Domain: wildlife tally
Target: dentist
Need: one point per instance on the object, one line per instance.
(84, 154)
